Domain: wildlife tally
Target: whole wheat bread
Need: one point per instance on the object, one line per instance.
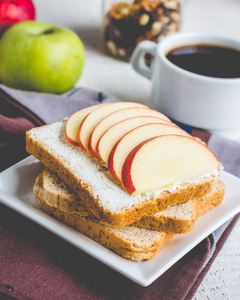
(130, 242)
(91, 181)
(179, 218)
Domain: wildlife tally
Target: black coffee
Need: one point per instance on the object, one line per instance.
(208, 60)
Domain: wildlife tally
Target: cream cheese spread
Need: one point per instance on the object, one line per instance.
(110, 193)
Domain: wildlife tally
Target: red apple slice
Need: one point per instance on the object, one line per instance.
(164, 160)
(93, 118)
(73, 123)
(117, 131)
(116, 117)
(133, 138)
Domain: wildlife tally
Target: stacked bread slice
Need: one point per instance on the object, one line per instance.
(128, 241)
(124, 175)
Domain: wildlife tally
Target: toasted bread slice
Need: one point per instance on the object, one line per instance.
(92, 182)
(130, 242)
(179, 218)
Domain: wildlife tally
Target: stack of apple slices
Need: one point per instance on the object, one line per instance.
(142, 148)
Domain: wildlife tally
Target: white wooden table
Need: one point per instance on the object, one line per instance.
(109, 75)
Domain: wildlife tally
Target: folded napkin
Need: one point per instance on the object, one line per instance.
(35, 264)
(20, 111)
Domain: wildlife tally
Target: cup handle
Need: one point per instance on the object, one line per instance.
(137, 60)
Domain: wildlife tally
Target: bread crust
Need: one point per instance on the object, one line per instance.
(101, 233)
(176, 225)
(56, 194)
(166, 224)
(121, 217)
(202, 206)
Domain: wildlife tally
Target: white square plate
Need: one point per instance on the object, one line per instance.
(16, 191)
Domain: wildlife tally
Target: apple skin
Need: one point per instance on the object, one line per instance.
(90, 122)
(126, 170)
(40, 57)
(164, 160)
(73, 123)
(134, 137)
(14, 11)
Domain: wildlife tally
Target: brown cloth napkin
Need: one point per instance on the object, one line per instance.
(35, 264)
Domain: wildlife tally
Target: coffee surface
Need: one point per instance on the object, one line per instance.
(208, 60)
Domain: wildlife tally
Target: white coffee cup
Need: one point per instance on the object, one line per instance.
(201, 101)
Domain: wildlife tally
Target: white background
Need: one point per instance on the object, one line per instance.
(109, 75)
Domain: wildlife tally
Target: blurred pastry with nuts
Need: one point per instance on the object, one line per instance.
(128, 23)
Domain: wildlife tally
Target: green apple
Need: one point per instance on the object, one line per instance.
(40, 57)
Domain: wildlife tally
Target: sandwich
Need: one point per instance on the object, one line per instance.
(126, 162)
